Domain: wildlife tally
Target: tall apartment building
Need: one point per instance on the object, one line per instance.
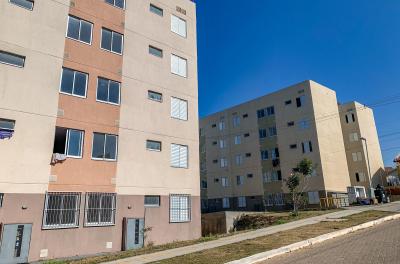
(98, 126)
(248, 150)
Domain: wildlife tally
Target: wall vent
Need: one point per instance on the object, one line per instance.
(72, 4)
(181, 10)
(60, 112)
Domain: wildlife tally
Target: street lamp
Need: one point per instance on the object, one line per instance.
(369, 168)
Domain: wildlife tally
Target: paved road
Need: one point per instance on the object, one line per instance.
(377, 245)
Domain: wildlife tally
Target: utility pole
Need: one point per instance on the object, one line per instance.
(371, 195)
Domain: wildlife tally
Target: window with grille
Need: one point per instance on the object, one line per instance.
(61, 210)
(100, 209)
(180, 208)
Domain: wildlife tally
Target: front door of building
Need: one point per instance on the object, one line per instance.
(15, 240)
(133, 233)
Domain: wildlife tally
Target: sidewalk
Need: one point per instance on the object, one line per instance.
(171, 253)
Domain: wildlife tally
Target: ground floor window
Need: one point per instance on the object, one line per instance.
(241, 202)
(225, 202)
(313, 197)
(100, 209)
(180, 208)
(61, 210)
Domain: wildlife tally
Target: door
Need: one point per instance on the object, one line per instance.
(133, 233)
(15, 242)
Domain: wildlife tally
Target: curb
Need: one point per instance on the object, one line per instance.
(312, 241)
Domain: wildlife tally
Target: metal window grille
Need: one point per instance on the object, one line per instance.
(61, 210)
(152, 201)
(100, 209)
(180, 208)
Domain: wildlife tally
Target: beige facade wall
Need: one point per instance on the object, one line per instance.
(364, 127)
(29, 95)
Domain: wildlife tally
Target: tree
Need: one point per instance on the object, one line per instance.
(297, 183)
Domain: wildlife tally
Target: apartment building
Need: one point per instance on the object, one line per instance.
(98, 126)
(248, 150)
(363, 151)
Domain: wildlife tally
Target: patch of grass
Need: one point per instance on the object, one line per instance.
(250, 247)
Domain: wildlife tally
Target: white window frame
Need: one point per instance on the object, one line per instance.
(241, 201)
(179, 61)
(180, 208)
(180, 22)
(224, 163)
(80, 26)
(239, 159)
(75, 224)
(353, 137)
(104, 147)
(182, 165)
(108, 88)
(112, 37)
(181, 104)
(239, 180)
(357, 156)
(113, 209)
(224, 182)
(153, 99)
(236, 120)
(222, 143)
(123, 8)
(238, 140)
(73, 83)
(67, 141)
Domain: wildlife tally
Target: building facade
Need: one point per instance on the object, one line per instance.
(98, 126)
(248, 150)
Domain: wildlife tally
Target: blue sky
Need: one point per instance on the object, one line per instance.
(250, 48)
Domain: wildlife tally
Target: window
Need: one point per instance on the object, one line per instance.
(178, 65)
(112, 41)
(350, 118)
(264, 154)
(179, 208)
(293, 146)
(272, 131)
(61, 210)
(304, 124)
(68, 142)
(1, 199)
(179, 108)
(224, 162)
(313, 197)
(117, 3)
(224, 182)
(241, 201)
(28, 4)
(306, 146)
(179, 156)
(6, 128)
(154, 96)
(151, 200)
(153, 145)
(238, 140)
(239, 159)
(12, 59)
(221, 125)
(203, 184)
(353, 137)
(262, 133)
(108, 91)
(155, 51)
(178, 26)
(275, 153)
(239, 180)
(74, 82)
(156, 10)
(100, 209)
(357, 156)
(300, 101)
(288, 102)
(105, 147)
(279, 199)
(360, 177)
(79, 29)
(236, 120)
(225, 202)
(222, 143)
(266, 177)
